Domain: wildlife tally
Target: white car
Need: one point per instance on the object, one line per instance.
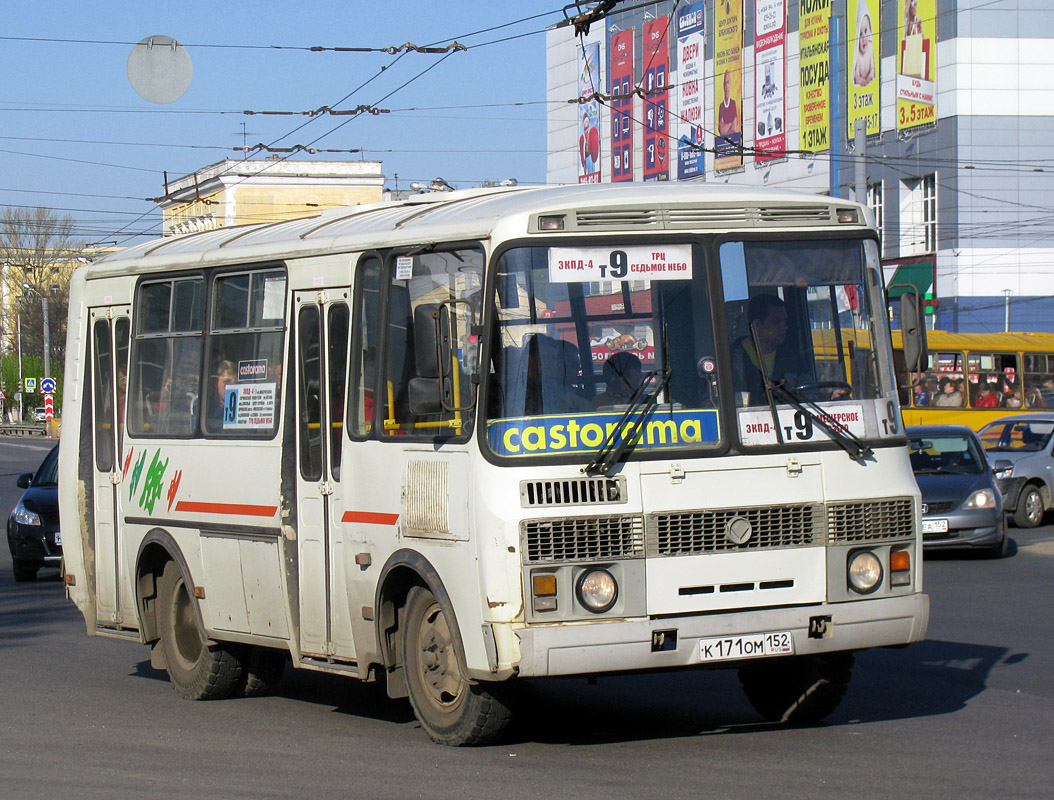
(40, 414)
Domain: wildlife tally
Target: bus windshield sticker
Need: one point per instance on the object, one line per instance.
(249, 406)
(662, 262)
(756, 428)
(274, 299)
(584, 433)
(404, 268)
(252, 370)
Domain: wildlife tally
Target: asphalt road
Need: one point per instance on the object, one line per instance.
(966, 714)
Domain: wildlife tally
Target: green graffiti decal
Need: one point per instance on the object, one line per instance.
(152, 486)
(137, 472)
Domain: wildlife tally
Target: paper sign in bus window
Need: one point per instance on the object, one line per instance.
(247, 406)
(664, 262)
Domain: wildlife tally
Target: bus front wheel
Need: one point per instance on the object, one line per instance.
(198, 670)
(451, 709)
(798, 689)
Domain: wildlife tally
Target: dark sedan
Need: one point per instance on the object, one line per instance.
(961, 505)
(33, 533)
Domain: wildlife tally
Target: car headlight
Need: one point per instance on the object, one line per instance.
(865, 572)
(23, 516)
(982, 498)
(597, 590)
(1004, 473)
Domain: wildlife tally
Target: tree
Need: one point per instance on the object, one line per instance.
(39, 253)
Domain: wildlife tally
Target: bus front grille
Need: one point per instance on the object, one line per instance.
(734, 529)
(582, 538)
(870, 521)
(573, 492)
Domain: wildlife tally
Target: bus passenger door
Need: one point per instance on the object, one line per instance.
(322, 326)
(114, 605)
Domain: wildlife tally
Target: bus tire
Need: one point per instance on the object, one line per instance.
(1029, 511)
(452, 710)
(261, 672)
(197, 669)
(797, 689)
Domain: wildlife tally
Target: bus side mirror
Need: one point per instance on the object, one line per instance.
(913, 332)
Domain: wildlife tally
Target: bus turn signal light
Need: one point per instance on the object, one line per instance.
(544, 587)
(900, 568)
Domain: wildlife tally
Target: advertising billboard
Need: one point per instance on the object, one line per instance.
(814, 76)
(770, 109)
(620, 72)
(728, 80)
(589, 114)
(863, 65)
(916, 63)
(691, 36)
(656, 52)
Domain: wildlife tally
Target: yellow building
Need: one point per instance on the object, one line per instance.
(244, 192)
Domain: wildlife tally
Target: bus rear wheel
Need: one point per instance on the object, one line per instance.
(798, 689)
(198, 670)
(452, 710)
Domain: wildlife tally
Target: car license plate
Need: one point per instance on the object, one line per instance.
(58, 538)
(727, 648)
(934, 526)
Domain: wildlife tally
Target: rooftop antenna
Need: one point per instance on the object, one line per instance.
(159, 69)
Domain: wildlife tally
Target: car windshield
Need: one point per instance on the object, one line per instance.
(1016, 435)
(945, 453)
(48, 473)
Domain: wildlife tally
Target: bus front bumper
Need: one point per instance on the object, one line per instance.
(640, 644)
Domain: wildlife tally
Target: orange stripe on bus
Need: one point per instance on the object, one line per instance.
(372, 517)
(227, 508)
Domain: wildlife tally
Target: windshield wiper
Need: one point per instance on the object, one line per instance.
(836, 430)
(640, 406)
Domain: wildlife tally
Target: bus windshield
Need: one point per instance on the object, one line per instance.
(813, 310)
(580, 329)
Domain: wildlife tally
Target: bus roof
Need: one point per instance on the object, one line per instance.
(944, 340)
(479, 213)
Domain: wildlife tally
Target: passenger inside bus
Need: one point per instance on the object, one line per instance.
(985, 397)
(553, 377)
(950, 395)
(225, 375)
(622, 375)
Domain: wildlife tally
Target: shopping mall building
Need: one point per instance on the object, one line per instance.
(947, 106)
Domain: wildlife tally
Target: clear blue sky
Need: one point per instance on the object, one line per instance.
(77, 138)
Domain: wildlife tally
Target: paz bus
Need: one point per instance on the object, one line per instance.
(467, 438)
(974, 378)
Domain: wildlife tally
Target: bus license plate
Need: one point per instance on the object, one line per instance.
(934, 526)
(58, 538)
(779, 643)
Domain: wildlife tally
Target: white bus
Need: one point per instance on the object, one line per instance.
(472, 437)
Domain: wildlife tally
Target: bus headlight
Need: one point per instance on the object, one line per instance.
(597, 590)
(865, 572)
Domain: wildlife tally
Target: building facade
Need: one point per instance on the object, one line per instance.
(244, 192)
(955, 104)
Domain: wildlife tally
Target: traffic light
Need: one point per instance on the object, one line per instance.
(18, 388)
(929, 304)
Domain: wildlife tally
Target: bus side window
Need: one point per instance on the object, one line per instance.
(165, 374)
(422, 283)
(365, 341)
